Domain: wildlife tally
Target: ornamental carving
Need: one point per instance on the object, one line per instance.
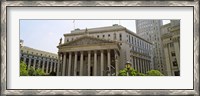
(86, 41)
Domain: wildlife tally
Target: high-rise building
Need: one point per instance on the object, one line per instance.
(150, 31)
(103, 51)
(171, 43)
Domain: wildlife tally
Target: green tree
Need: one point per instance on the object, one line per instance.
(39, 72)
(31, 71)
(23, 70)
(125, 72)
(154, 73)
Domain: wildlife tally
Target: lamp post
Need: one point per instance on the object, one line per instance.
(128, 66)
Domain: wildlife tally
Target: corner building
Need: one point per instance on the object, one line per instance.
(171, 43)
(102, 52)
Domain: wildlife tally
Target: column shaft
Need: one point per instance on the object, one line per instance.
(102, 63)
(34, 62)
(95, 63)
(58, 65)
(81, 65)
(109, 65)
(89, 56)
(47, 67)
(64, 64)
(75, 64)
(69, 67)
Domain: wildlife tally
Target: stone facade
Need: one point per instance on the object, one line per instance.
(151, 31)
(103, 52)
(171, 43)
(39, 59)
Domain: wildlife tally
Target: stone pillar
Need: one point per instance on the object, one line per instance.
(109, 66)
(102, 63)
(81, 64)
(54, 68)
(116, 64)
(47, 67)
(138, 65)
(43, 63)
(34, 62)
(144, 67)
(51, 67)
(75, 63)
(39, 63)
(58, 65)
(70, 60)
(135, 63)
(95, 63)
(167, 60)
(64, 64)
(89, 56)
(29, 62)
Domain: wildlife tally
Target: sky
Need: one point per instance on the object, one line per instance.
(45, 34)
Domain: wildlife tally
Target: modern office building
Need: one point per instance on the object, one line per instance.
(38, 59)
(150, 31)
(103, 51)
(171, 42)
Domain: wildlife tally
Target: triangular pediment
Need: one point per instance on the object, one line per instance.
(86, 40)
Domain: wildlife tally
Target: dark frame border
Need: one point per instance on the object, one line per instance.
(109, 89)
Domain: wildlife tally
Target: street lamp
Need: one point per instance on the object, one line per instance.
(128, 66)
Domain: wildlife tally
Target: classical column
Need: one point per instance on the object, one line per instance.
(102, 62)
(43, 63)
(47, 67)
(138, 65)
(54, 67)
(109, 66)
(64, 63)
(34, 62)
(167, 60)
(39, 63)
(141, 66)
(51, 65)
(89, 56)
(81, 64)
(70, 60)
(58, 65)
(29, 62)
(116, 64)
(95, 63)
(135, 63)
(75, 63)
(144, 66)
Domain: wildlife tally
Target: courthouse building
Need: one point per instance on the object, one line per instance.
(171, 43)
(103, 51)
(38, 59)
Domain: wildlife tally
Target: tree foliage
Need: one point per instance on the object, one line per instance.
(23, 69)
(154, 73)
(125, 72)
(133, 72)
(39, 72)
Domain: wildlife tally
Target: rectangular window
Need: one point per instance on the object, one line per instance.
(120, 37)
(173, 54)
